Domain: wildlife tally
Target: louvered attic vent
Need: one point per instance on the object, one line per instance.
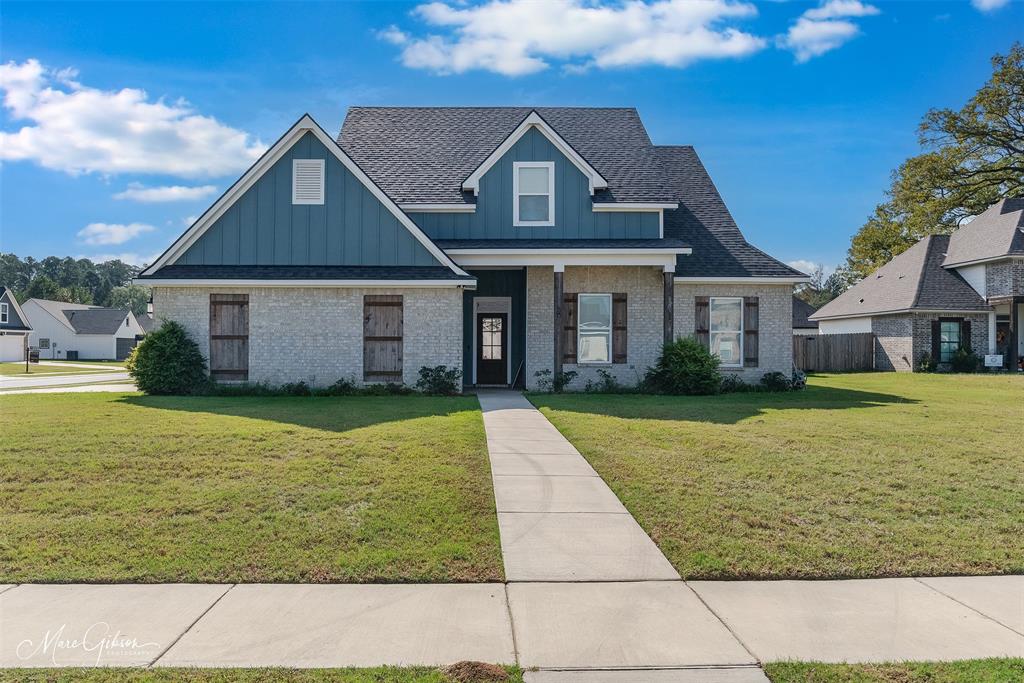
(307, 181)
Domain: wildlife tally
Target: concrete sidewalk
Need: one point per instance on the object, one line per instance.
(61, 379)
(666, 625)
(558, 520)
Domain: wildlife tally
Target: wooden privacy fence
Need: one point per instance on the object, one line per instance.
(834, 352)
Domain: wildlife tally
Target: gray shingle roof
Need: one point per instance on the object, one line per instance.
(421, 155)
(801, 313)
(704, 222)
(96, 320)
(563, 244)
(304, 273)
(999, 231)
(914, 279)
(147, 322)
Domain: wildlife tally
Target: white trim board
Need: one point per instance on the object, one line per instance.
(987, 259)
(633, 206)
(595, 180)
(174, 282)
(658, 259)
(262, 165)
(438, 208)
(899, 311)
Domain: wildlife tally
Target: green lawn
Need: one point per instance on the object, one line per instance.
(124, 487)
(174, 675)
(860, 475)
(972, 671)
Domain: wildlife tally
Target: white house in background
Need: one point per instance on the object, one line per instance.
(14, 327)
(75, 331)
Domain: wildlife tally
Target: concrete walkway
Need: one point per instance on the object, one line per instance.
(558, 520)
(60, 379)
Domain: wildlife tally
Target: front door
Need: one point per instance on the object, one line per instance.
(492, 348)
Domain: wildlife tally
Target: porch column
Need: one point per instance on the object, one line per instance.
(991, 332)
(558, 323)
(669, 298)
(1015, 303)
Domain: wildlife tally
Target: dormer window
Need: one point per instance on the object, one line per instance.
(533, 187)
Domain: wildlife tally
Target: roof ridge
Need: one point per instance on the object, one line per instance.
(923, 271)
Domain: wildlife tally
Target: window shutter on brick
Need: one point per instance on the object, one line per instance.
(702, 321)
(619, 331)
(569, 328)
(750, 329)
(936, 336)
(382, 338)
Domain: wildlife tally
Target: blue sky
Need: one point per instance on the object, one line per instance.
(121, 122)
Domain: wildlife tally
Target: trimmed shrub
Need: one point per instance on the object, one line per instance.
(685, 367)
(440, 380)
(926, 363)
(554, 383)
(776, 381)
(167, 361)
(965, 360)
(734, 384)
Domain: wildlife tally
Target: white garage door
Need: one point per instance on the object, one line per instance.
(12, 347)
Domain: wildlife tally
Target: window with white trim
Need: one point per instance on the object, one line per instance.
(4, 314)
(533, 191)
(726, 330)
(594, 328)
(44, 343)
(307, 181)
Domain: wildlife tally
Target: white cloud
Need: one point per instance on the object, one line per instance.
(989, 5)
(167, 193)
(130, 257)
(112, 233)
(806, 266)
(824, 28)
(78, 129)
(518, 37)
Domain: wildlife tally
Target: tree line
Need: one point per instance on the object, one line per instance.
(72, 280)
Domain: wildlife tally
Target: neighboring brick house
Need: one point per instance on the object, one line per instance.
(947, 292)
(503, 241)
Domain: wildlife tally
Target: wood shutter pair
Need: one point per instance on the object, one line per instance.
(229, 337)
(751, 324)
(382, 338)
(620, 332)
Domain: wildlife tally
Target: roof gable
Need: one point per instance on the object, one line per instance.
(998, 232)
(96, 320)
(422, 155)
(16, 319)
(224, 218)
(534, 122)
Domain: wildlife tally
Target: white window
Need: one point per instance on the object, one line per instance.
(727, 330)
(594, 330)
(533, 187)
(44, 343)
(4, 315)
(307, 181)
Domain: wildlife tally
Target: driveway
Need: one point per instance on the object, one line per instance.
(61, 380)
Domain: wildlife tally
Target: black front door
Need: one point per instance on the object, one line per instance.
(492, 348)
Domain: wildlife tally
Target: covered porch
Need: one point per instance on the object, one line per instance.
(1004, 333)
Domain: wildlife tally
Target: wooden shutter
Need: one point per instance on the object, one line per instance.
(750, 336)
(936, 336)
(965, 335)
(229, 337)
(619, 333)
(702, 320)
(382, 338)
(569, 317)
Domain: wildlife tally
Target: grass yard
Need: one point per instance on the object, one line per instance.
(175, 675)
(860, 475)
(971, 671)
(130, 488)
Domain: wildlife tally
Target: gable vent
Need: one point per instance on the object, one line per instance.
(307, 181)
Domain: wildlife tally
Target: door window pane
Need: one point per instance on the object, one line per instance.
(490, 338)
(726, 334)
(594, 344)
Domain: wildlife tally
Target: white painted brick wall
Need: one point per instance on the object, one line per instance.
(775, 322)
(316, 334)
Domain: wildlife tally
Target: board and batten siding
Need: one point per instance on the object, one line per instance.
(574, 216)
(352, 227)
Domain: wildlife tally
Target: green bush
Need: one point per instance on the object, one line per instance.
(440, 380)
(965, 360)
(607, 384)
(167, 361)
(554, 383)
(926, 363)
(685, 367)
(734, 384)
(776, 381)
